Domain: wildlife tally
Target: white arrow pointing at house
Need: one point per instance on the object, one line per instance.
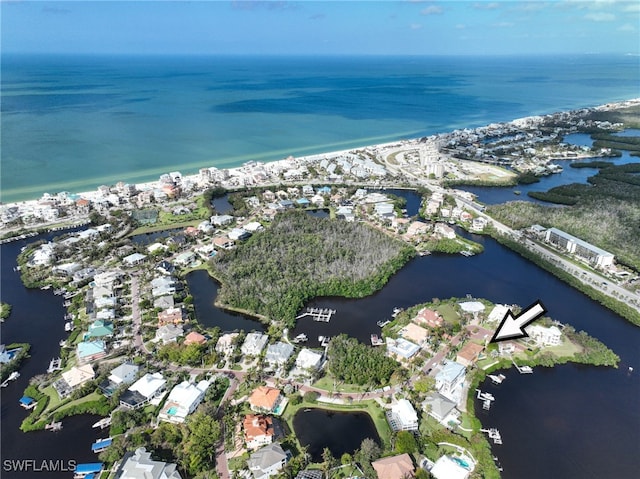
(512, 327)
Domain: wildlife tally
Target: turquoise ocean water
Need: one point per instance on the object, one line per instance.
(72, 123)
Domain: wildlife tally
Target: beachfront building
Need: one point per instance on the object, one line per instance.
(267, 462)
(394, 467)
(139, 465)
(569, 243)
(182, 401)
(543, 336)
(143, 391)
(258, 430)
(449, 380)
(402, 416)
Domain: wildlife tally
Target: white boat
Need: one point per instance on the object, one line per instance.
(102, 423)
(300, 338)
(68, 326)
(497, 379)
(13, 376)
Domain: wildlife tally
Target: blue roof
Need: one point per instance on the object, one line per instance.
(302, 201)
(102, 444)
(89, 467)
(26, 400)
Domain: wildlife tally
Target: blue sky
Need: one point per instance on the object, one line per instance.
(321, 27)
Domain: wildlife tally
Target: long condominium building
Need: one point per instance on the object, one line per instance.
(593, 254)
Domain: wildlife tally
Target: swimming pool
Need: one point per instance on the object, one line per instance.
(172, 411)
(462, 462)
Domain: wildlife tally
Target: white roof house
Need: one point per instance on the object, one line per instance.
(149, 385)
(401, 347)
(225, 343)
(139, 465)
(308, 359)
(447, 468)
(498, 312)
(134, 258)
(402, 416)
(279, 353)
(182, 401)
(254, 343)
(124, 374)
(543, 336)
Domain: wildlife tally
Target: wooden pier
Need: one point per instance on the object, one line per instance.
(318, 314)
(522, 369)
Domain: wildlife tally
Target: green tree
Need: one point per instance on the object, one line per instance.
(405, 442)
(203, 432)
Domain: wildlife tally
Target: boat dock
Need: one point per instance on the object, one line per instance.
(55, 365)
(92, 469)
(486, 399)
(12, 377)
(497, 379)
(493, 434)
(382, 323)
(101, 444)
(324, 341)
(467, 253)
(53, 426)
(28, 402)
(522, 369)
(318, 314)
(376, 341)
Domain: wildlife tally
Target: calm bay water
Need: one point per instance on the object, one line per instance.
(74, 123)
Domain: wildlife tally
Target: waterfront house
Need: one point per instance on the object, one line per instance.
(169, 333)
(402, 416)
(449, 380)
(72, 379)
(308, 359)
(429, 318)
(415, 333)
(543, 336)
(401, 348)
(134, 259)
(254, 343)
(194, 338)
(88, 351)
(144, 390)
(498, 313)
(182, 401)
(171, 316)
(394, 467)
(100, 328)
(469, 353)
(186, 258)
(277, 354)
(119, 376)
(225, 343)
(164, 302)
(258, 430)
(447, 468)
(265, 399)
(440, 408)
(138, 465)
(267, 461)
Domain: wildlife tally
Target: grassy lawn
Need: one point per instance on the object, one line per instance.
(326, 383)
(54, 399)
(370, 407)
(94, 396)
(567, 348)
(448, 312)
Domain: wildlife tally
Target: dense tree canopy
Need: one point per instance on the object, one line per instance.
(300, 257)
(357, 363)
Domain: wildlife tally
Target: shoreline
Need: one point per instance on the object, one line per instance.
(305, 159)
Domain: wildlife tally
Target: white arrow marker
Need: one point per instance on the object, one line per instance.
(513, 327)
